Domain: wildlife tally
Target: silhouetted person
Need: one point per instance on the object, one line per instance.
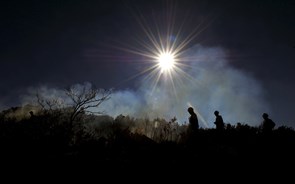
(218, 121)
(32, 115)
(193, 126)
(267, 124)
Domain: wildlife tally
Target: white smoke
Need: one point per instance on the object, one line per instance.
(44, 93)
(214, 85)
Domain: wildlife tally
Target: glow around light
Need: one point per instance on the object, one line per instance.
(162, 47)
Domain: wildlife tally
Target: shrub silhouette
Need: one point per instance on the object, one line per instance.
(129, 142)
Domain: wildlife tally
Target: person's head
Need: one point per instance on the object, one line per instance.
(216, 113)
(190, 110)
(265, 115)
(31, 113)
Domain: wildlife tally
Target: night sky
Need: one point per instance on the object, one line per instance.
(60, 43)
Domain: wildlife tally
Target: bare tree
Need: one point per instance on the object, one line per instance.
(49, 104)
(76, 99)
(84, 97)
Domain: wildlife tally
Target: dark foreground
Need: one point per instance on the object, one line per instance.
(209, 152)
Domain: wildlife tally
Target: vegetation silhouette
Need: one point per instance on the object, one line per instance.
(124, 142)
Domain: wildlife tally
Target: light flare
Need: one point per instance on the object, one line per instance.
(162, 46)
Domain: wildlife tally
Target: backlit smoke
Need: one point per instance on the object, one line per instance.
(214, 85)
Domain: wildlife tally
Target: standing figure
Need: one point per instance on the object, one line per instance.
(193, 121)
(218, 121)
(267, 124)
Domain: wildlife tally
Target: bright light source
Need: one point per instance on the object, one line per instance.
(166, 61)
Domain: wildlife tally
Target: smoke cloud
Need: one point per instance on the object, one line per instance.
(211, 84)
(208, 83)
